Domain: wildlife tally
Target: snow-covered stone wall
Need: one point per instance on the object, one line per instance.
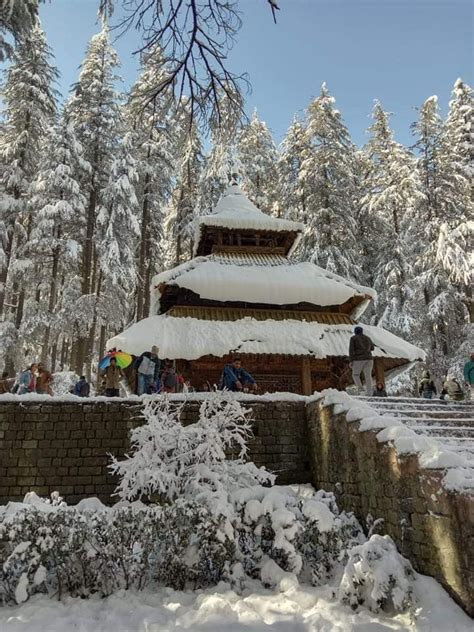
(432, 526)
(48, 444)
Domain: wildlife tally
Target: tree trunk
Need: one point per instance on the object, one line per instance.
(143, 261)
(52, 301)
(54, 356)
(4, 271)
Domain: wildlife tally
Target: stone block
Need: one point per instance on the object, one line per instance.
(30, 444)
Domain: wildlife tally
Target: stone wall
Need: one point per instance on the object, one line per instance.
(65, 446)
(431, 526)
(48, 445)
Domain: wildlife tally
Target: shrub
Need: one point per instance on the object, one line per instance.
(378, 577)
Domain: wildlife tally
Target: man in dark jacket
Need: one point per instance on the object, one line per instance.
(235, 378)
(427, 388)
(361, 361)
(82, 387)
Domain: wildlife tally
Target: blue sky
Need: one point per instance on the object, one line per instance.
(397, 51)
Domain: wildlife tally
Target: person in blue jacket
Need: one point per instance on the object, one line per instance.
(235, 378)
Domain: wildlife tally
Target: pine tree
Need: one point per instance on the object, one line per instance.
(95, 114)
(393, 199)
(183, 203)
(257, 155)
(117, 235)
(30, 107)
(221, 159)
(154, 138)
(18, 18)
(328, 185)
(59, 207)
(294, 149)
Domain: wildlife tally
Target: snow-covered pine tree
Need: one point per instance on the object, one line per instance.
(117, 236)
(455, 194)
(59, 206)
(17, 18)
(257, 155)
(221, 159)
(183, 203)
(95, 113)
(30, 106)
(392, 201)
(434, 299)
(155, 148)
(294, 150)
(327, 183)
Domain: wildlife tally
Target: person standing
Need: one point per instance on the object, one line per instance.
(113, 374)
(27, 380)
(148, 367)
(427, 388)
(169, 379)
(361, 360)
(236, 378)
(469, 375)
(44, 381)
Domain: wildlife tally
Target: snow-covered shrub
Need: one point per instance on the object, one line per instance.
(93, 549)
(304, 534)
(172, 461)
(377, 577)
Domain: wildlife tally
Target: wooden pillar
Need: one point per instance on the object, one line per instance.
(306, 384)
(379, 370)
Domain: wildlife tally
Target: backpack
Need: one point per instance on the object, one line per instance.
(147, 366)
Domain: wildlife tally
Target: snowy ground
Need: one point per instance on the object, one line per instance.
(301, 609)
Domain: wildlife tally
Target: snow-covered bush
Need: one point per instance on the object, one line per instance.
(377, 576)
(93, 549)
(204, 461)
(303, 533)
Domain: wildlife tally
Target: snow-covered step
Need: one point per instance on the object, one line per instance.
(443, 431)
(447, 422)
(418, 402)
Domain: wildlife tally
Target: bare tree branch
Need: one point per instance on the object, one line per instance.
(196, 37)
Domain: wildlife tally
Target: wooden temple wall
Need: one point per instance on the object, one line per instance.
(291, 374)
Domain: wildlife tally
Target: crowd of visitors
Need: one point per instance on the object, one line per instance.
(148, 374)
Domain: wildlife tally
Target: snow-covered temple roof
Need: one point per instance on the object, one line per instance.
(192, 338)
(236, 212)
(268, 279)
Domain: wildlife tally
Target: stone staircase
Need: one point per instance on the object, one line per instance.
(451, 423)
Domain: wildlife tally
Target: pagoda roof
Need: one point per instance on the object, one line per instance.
(192, 338)
(261, 279)
(235, 211)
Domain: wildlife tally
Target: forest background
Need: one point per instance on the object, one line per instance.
(100, 189)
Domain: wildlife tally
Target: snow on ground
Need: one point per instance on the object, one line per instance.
(220, 609)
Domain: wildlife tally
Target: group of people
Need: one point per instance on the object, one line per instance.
(150, 375)
(362, 362)
(34, 379)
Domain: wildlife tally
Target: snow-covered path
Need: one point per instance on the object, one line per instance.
(301, 609)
